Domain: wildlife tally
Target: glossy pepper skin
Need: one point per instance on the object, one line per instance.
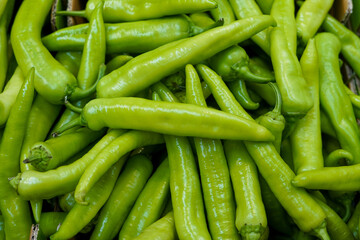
(181, 119)
(309, 18)
(129, 37)
(295, 95)
(307, 133)
(350, 42)
(238, 88)
(15, 209)
(305, 212)
(127, 188)
(52, 80)
(214, 171)
(223, 11)
(50, 222)
(171, 57)
(128, 10)
(333, 97)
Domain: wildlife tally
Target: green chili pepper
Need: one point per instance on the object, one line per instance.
(4, 23)
(273, 120)
(307, 133)
(233, 64)
(129, 37)
(337, 228)
(96, 198)
(52, 80)
(306, 213)
(168, 118)
(202, 19)
(3, 7)
(67, 202)
(2, 230)
(248, 8)
(185, 185)
(50, 221)
(333, 98)
(265, 5)
(150, 203)
(238, 88)
(310, 17)
(70, 60)
(8, 96)
(111, 154)
(283, 12)
(214, 172)
(223, 11)
(264, 90)
(355, 101)
(162, 229)
(171, 57)
(45, 185)
(353, 222)
(120, 11)
(56, 151)
(117, 62)
(127, 189)
(296, 98)
(251, 219)
(14, 209)
(326, 125)
(345, 199)
(335, 158)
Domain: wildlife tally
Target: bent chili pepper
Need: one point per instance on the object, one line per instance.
(214, 171)
(45, 185)
(52, 80)
(223, 11)
(129, 37)
(238, 88)
(295, 95)
(168, 118)
(306, 213)
(233, 64)
(127, 10)
(170, 58)
(96, 198)
(333, 97)
(150, 203)
(15, 209)
(128, 187)
(307, 133)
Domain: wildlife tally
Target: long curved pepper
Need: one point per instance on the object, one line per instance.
(233, 64)
(52, 80)
(238, 88)
(128, 10)
(171, 57)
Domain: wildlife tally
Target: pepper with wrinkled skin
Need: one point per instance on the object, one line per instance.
(128, 10)
(171, 57)
(333, 97)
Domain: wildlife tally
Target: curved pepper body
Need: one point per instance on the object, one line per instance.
(171, 57)
(170, 118)
(52, 80)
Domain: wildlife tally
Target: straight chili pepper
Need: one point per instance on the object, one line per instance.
(333, 97)
(306, 213)
(96, 198)
(214, 171)
(353, 222)
(309, 18)
(45, 185)
(127, 189)
(307, 133)
(14, 209)
(52, 80)
(296, 98)
(127, 10)
(173, 56)
(129, 37)
(185, 189)
(168, 118)
(8, 96)
(150, 203)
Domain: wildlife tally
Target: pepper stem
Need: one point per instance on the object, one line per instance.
(81, 13)
(71, 106)
(74, 123)
(321, 232)
(83, 93)
(278, 100)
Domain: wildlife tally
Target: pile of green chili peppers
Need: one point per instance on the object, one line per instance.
(178, 119)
